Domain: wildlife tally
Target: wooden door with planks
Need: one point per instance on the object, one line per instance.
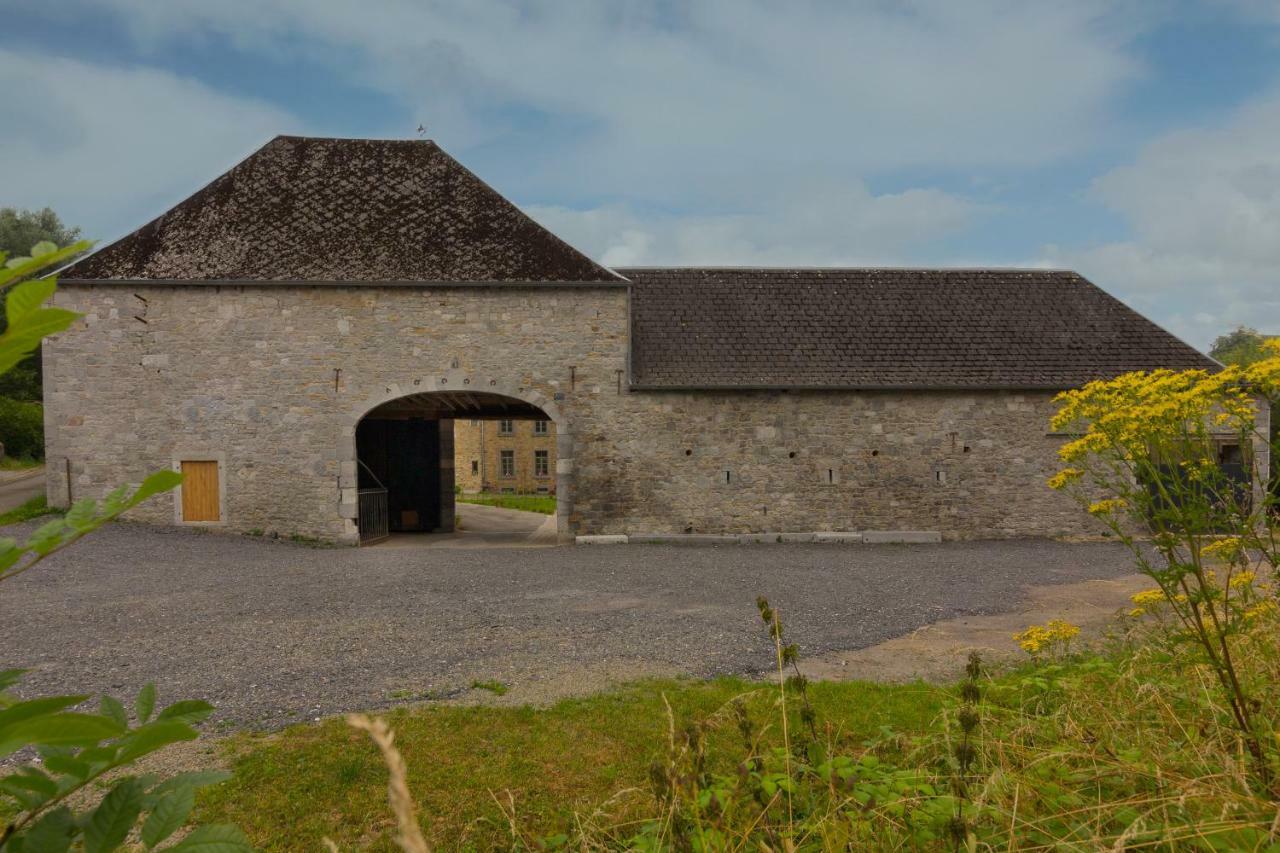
(200, 491)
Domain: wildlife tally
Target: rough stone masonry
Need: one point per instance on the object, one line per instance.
(258, 322)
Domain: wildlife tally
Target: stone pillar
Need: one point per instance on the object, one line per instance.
(448, 509)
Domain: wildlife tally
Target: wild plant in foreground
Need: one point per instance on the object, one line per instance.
(80, 751)
(1181, 455)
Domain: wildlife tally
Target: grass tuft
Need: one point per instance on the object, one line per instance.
(495, 687)
(545, 504)
(37, 507)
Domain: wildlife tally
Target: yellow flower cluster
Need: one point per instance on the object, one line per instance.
(1228, 548)
(1132, 415)
(1265, 607)
(1108, 506)
(1037, 638)
(1241, 580)
(1146, 600)
(1065, 477)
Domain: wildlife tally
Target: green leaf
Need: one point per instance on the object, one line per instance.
(113, 709)
(46, 537)
(214, 838)
(83, 515)
(160, 481)
(67, 765)
(193, 779)
(169, 814)
(71, 729)
(187, 711)
(30, 266)
(111, 821)
(53, 833)
(25, 298)
(44, 247)
(18, 341)
(146, 702)
(153, 736)
(20, 711)
(30, 786)
(10, 552)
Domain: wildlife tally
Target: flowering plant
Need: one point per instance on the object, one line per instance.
(1175, 464)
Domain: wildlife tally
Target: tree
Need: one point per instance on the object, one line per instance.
(1241, 347)
(20, 230)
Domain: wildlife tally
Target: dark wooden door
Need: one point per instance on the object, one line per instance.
(404, 456)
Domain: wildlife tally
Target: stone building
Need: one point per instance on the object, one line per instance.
(302, 335)
(504, 455)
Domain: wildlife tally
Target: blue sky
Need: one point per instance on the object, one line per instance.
(1136, 142)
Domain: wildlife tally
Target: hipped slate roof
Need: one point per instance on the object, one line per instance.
(886, 328)
(356, 211)
(308, 209)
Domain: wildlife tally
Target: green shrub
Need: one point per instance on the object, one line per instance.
(22, 428)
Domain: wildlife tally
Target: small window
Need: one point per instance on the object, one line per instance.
(539, 427)
(200, 498)
(475, 466)
(506, 426)
(541, 463)
(508, 459)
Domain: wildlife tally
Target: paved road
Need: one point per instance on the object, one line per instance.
(484, 527)
(272, 632)
(18, 488)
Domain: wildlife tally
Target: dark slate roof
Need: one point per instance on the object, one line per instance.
(886, 328)
(306, 209)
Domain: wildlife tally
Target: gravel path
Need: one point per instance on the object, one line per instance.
(272, 632)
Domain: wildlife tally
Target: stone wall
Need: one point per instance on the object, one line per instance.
(272, 380)
(478, 455)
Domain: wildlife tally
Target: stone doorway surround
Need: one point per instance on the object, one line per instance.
(456, 381)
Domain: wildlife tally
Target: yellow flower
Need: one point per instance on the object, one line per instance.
(1262, 608)
(1038, 637)
(1136, 612)
(1064, 478)
(1148, 597)
(1107, 506)
(1241, 580)
(1226, 548)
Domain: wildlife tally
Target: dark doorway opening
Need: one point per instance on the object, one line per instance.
(402, 456)
(405, 462)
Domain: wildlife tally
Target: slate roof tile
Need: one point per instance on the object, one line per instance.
(314, 209)
(886, 328)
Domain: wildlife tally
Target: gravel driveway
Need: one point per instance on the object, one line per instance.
(272, 632)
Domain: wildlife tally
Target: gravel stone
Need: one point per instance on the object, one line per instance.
(273, 633)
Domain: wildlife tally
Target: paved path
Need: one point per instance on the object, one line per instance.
(18, 487)
(272, 632)
(485, 527)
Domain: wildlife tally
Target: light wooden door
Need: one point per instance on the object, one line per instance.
(200, 491)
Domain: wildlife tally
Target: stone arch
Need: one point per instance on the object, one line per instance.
(455, 381)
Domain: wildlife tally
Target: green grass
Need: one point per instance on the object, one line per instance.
(34, 508)
(495, 687)
(19, 463)
(310, 781)
(545, 504)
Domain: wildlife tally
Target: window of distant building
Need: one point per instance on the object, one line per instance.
(506, 426)
(539, 427)
(508, 460)
(541, 463)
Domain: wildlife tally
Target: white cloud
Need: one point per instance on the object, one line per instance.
(110, 147)
(715, 99)
(1204, 207)
(824, 226)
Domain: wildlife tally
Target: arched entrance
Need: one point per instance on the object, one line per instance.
(402, 474)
